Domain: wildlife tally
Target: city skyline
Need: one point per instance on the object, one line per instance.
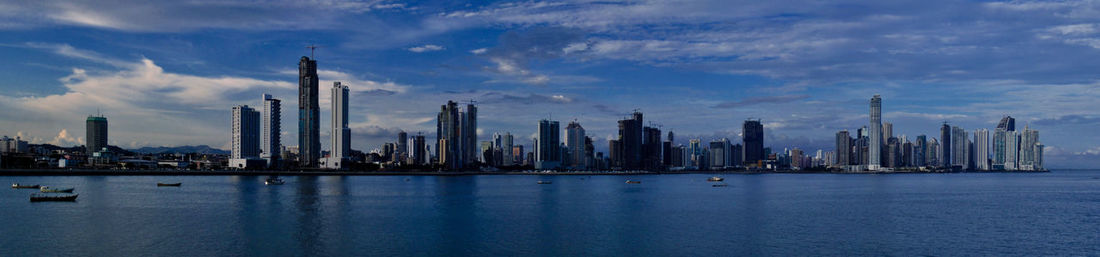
(192, 74)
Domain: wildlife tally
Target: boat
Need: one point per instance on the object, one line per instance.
(168, 184)
(55, 190)
(274, 181)
(17, 185)
(633, 182)
(720, 185)
(545, 182)
(53, 198)
(715, 179)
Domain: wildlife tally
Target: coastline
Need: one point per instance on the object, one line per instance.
(89, 172)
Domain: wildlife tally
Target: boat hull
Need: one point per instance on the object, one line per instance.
(169, 184)
(46, 198)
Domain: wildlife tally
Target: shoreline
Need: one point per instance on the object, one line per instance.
(87, 172)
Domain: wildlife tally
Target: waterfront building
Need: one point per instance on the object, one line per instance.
(1028, 140)
(271, 130)
(468, 133)
(341, 134)
(719, 154)
(843, 148)
(402, 146)
(575, 141)
(419, 151)
(920, 154)
(13, 145)
(506, 145)
(518, 155)
(1012, 142)
(959, 148)
(651, 148)
(309, 114)
(753, 142)
(245, 145)
(548, 145)
(96, 134)
(630, 140)
(456, 136)
(981, 149)
(945, 157)
(875, 143)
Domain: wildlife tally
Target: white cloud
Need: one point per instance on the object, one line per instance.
(426, 48)
(479, 51)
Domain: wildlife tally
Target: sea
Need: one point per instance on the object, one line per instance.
(971, 214)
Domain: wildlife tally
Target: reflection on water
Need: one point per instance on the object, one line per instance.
(666, 215)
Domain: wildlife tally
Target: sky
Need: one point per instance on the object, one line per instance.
(166, 73)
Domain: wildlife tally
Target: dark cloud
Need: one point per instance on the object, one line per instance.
(762, 100)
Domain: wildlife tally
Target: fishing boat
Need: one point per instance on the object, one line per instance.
(55, 190)
(633, 182)
(715, 179)
(53, 198)
(168, 184)
(545, 182)
(274, 181)
(17, 185)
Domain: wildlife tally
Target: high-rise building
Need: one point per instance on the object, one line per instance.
(631, 138)
(651, 148)
(887, 130)
(875, 145)
(1000, 140)
(246, 133)
(456, 136)
(695, 152)
(960, 156)
(1028, 140)
(518, 155)
(719, 154)
(419, 151)
(920, 154)
(96, 134)
(1012, 142)
(506, 145)
(945, 157)
(469, 134)
(309, 114)
(981, 149)
(1007, 123)
(402, 146)
(341, 134)
(843, 148)
(271, 130)
(752, 139)
(574, 139)
(548, 145)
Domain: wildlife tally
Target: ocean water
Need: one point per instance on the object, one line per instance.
(993, 214)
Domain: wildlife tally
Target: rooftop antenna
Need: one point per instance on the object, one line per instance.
(312, 48)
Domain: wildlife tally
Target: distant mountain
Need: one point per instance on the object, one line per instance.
(200, 149)
(80, 148)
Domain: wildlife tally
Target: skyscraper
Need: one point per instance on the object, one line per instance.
(945, 157)
(843, 148)
(548, 145)
(246, 133)
(507, 152)
(341, 134)
(630, 141)
(1028, 139)
(1007, 123)
(448, 137)
(419, 153)
(309, 114)
(651, 148)
(981, 149)
(96, 134)
(402, 146)
(271, 129)
(875, 145)
(468, 133)
(753, 141)
(574, 139)
(959, 142)
(1012, 142)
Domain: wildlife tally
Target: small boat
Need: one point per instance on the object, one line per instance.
(274, 181)
(633, 182)
(55, 190)
(168, 184)
(715, 179)
(53, 198)
(545, 182)
(17, 185)
(720, 185)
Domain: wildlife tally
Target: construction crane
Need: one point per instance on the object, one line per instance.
(312, 48)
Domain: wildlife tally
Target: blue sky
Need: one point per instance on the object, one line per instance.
(167, 72)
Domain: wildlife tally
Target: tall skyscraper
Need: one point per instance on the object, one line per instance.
(959, 142)
(630, 141)
(96, 134)
(1000, 141)
(246, 133)
(875, 145)
(1028, 139)
(945, 157)
(309, 114)
(752, 138)
(1012, 142)
(419, 151)
(271, 129)
(981, 149)
(719, 154)
(843, 148)
(887, 130)
(468, 133)
(402, 146)
(508, 153)
(341, 134)
(1007, 123)
(651, 148)
(920, 154)
(448, 136)
(548, 145)
(574, 140)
